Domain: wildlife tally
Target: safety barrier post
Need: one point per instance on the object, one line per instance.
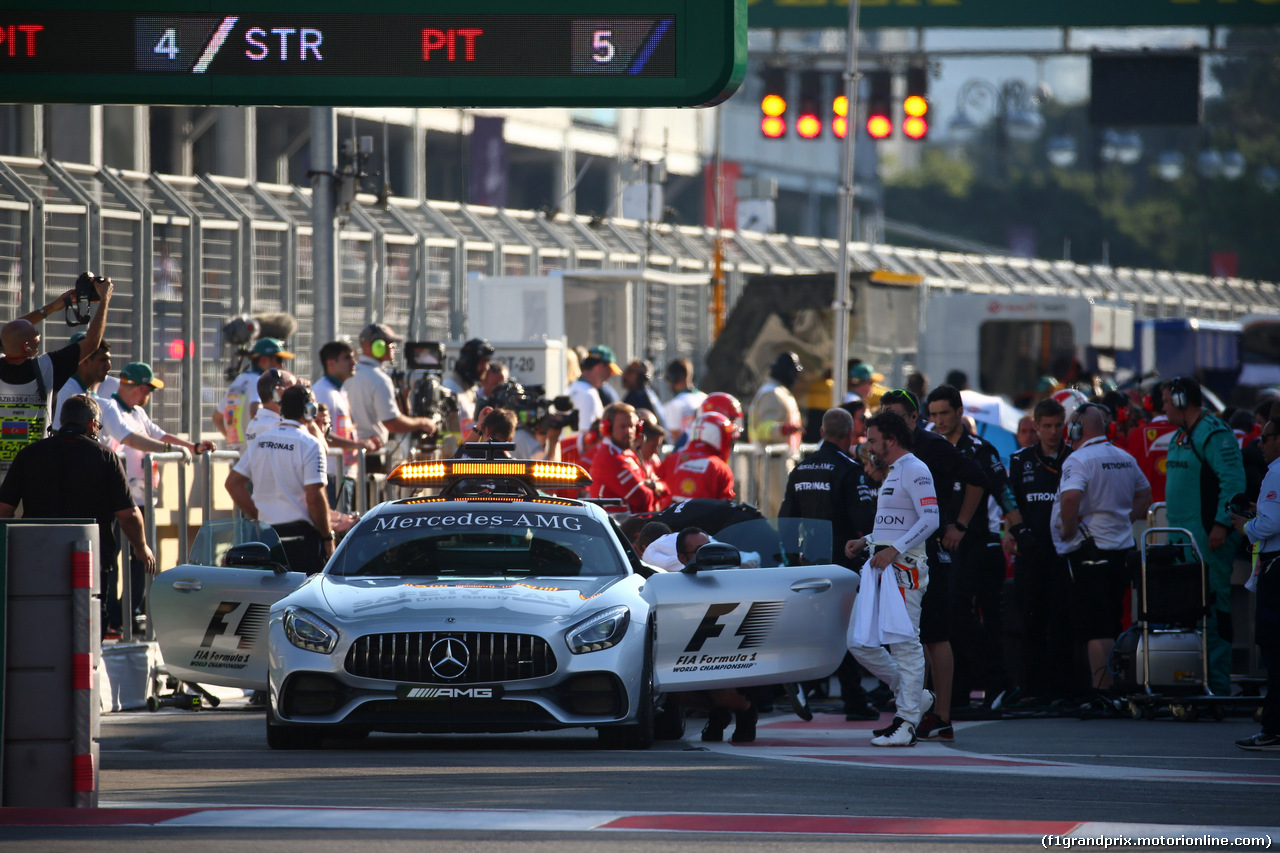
(49, 755)
(362, 483)
(85, 640)
(149, 525)
(207, 460)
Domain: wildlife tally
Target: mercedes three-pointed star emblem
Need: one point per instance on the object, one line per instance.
(449, 658)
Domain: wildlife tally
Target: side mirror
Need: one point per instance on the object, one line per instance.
(713, 556)
(252, 555)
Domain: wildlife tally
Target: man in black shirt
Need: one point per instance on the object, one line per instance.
(825, 485)
(960, 485)
(71, 475)
(829, 485)
(978, 564)
(1041, 580)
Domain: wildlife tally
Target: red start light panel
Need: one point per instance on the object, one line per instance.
(809, 126)
(773, 127)
(879, 127)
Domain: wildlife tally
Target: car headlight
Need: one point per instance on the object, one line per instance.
(308, 631)
(601, 631)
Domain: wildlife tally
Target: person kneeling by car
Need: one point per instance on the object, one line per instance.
(286, 465)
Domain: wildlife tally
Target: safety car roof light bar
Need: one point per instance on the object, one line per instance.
(531, 473)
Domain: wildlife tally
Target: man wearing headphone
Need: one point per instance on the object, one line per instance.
(271, 385)
(1205, 470)
(372, 394)
(288, 468)
(1101, 494)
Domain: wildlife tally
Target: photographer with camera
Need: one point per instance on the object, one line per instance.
(241, 401)
(29, 381)
(372, 395)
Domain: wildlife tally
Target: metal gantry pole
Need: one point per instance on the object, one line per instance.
(842, 304)
(324, 251)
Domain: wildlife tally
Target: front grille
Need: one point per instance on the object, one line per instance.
(492, 657)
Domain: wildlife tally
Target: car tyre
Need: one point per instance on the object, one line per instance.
(282, 736)
(669, 723)
(637, 735)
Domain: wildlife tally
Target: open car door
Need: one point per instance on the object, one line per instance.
(774, 611)
(210, 613)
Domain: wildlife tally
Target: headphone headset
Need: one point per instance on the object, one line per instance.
(1178, 393)
(1075, 429)
(309, 407)
(378, 348)
(276, 376)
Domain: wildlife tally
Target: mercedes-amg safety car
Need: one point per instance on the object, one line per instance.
(492, 607)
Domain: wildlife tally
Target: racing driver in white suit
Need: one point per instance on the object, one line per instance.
(906, 516)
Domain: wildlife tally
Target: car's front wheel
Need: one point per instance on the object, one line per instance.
(637, 735)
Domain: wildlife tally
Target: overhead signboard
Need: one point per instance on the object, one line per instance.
(807, 14)
(504, 53)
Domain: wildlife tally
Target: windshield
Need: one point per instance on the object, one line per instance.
(781, 541)
(490, 544)
(216, 538)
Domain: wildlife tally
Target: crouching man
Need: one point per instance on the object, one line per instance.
(887, 610)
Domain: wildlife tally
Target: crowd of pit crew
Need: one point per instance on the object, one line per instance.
(967, 518)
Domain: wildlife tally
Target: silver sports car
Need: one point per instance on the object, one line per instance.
(493, 608)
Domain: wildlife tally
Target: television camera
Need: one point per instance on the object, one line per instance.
(420, 387)
(534, 409)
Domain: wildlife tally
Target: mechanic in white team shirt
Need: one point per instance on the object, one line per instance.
(271, 385)
(288, 470)
(906, 516)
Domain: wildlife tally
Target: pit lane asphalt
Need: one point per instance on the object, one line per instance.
(1117, 770)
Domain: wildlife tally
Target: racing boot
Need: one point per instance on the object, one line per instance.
(717, 722)
(745, 730)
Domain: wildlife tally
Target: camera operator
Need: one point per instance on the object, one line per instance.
(494, 378)
(372, 395)
(288, 470)
(492, 425)
(28, 380)
(464, 382)
(71, 475)
(539, 421)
